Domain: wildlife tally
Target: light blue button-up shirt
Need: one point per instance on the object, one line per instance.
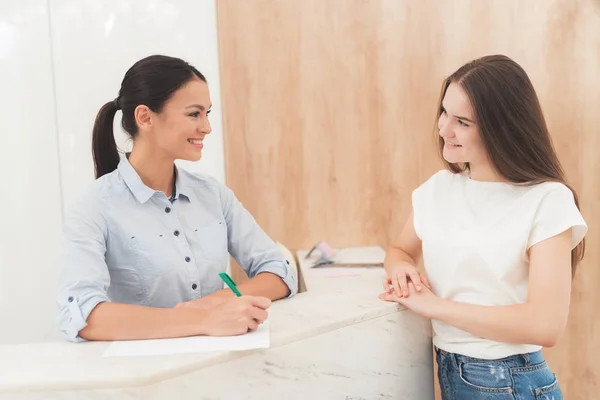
(127, 243)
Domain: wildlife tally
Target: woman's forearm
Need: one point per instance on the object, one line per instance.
(407, 248)
(265, 284)
(395, 256)
(115, 321)
(521, 323)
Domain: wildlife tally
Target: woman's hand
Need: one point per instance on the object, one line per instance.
(235, 316)
(424, 303)
(400, 275)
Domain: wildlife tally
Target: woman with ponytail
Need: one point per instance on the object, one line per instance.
(145, 243)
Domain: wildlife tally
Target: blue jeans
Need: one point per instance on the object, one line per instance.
(518, 377)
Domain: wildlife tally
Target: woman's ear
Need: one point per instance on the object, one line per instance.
(143, 117)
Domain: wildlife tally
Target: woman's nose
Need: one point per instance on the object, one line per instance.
(205, 127)
(445, 129)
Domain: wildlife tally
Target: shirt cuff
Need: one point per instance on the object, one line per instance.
(75, 314)
(285, 272)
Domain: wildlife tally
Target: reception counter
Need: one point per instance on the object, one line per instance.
(336, 340)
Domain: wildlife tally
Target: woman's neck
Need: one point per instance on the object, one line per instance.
(484, 173)
(155, 171)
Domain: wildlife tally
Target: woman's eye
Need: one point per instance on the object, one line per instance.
(195, 114)
(460, 122)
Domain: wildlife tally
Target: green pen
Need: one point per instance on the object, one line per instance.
(229, 282)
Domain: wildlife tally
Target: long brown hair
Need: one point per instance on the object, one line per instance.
(511, 125)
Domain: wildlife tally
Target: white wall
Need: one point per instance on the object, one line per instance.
(60, 61)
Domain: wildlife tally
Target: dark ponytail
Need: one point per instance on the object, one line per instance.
(150, 82)
(104, 145)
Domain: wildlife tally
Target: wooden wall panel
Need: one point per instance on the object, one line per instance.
(328, 118)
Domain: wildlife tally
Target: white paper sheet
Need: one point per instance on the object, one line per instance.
(258, 339)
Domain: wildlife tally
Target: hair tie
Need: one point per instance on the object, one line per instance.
(116, 103)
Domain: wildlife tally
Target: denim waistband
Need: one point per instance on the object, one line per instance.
(517, 360)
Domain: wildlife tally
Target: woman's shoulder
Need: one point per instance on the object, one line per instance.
(555, 211)
(101, 188)
(434, 187)
(442, 177)
(199, 180)
(204, 186)
(445, 175)
(552, 186)
(92, 199)
(556, 193)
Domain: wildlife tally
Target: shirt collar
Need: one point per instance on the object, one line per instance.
(142, 192)
(182, 186)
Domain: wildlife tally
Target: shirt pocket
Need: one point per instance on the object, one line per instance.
(212, 238)
(153, 254)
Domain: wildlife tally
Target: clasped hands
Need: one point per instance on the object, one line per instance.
(406, 286)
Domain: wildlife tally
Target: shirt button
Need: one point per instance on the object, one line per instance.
(168, 210)
(187, 259)
(176, 233)
(70, 299)
(194, 286)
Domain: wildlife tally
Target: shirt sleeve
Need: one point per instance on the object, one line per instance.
(421, 197)
(250, 246)
(84, 278)
(555, 214)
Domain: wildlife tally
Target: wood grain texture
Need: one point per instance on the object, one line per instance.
(329, 111)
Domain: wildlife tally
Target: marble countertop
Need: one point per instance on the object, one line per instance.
(333, 300)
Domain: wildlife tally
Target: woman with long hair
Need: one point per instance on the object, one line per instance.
(500, 235)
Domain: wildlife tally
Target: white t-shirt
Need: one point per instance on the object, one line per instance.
(475, 236)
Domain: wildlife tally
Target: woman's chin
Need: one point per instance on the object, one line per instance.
(195, 156)
(451, 158)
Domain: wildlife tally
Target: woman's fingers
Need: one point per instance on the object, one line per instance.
(390, 296)
(415, 279)
(402, 288)
(395, 284)
(398, 281)
(386, 284)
